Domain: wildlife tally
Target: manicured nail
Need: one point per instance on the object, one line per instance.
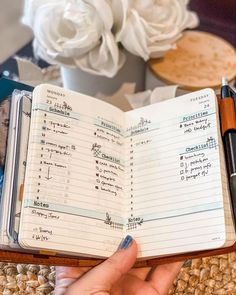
(126, 242)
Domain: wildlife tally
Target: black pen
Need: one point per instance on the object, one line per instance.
(228, 124)
(233, 94)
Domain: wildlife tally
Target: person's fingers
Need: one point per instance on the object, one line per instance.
(140, 273)
(70, 272)
(134, 283)
(102, 277)
(163, 276)
(65, 276)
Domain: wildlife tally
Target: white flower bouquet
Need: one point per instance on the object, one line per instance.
(94, 35)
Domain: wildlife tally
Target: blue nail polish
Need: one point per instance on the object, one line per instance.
(126, 242)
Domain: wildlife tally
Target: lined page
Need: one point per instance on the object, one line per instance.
(9, 170)
(174, 193)
(73, 196)
(21, 158)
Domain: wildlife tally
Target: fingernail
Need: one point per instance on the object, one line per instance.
(126, 242)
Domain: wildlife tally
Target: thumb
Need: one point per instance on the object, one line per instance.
(106, 274)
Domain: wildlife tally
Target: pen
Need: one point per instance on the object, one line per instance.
(233, 94)
(228, 127)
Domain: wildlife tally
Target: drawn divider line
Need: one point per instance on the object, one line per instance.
(79, 117)
(188, 207)
(69, 221)
(38, 129)
(174, 134)
(111, 130)
(184, 214)
(65, 143)
(199, 150)
(116, 210)
(102, 127)
(165, 159)
(95, 215)
(168, 159)
(163, 131)
(210, 109)
(158, 125)
(203, 116)
(166, 153)
(38, 108)
(171, 202)
(171, 119)
(104, 159)
(148, 226)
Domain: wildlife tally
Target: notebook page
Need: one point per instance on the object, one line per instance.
(174, 192)
(73, 191)
(21, 157)
(9, 169)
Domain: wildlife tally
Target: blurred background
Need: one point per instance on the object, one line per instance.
(13, 35)
(216, 16)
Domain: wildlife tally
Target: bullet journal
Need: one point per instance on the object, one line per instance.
(95, 174)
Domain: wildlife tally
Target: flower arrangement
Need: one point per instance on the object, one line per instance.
(94, 35)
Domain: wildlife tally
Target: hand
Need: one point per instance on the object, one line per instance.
(115, 276)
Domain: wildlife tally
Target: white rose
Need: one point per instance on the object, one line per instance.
(30, 9)
(76, 33)
(151, 27)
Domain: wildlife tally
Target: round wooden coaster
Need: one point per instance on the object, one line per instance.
(200, 60)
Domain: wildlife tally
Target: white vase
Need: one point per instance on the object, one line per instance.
(133, 71)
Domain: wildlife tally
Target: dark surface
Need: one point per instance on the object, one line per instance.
(217, 17)
(10, 64)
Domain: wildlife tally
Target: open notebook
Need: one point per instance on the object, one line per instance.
(95, 173)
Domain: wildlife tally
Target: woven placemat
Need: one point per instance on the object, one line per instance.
(211, 275)
(19, 279)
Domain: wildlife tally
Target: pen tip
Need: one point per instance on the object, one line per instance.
(224, 81)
